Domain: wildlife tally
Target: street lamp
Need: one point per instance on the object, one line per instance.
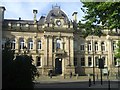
(93, 62)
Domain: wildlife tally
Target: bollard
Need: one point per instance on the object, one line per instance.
(89, 82)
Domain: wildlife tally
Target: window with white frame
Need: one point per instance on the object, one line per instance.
(103, 46)
(82, 47)
(13, 44)
(89, 46)
(21, 43)
(39, 44)
(96, 61)
(38, 61)
(82, 61)
(114, 45)
(30, 44)
(96, 46)
(89, 61)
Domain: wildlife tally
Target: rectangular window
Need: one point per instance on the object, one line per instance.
(38, 61)
(89, 61)
(82, 47)
(82, 61)
(104, 60)
(96, 61)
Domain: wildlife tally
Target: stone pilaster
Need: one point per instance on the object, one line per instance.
(109, 54)
(34, 45)
(16, 45)
(71, 49)
(45, 50)
(50, 50)
(67, 46)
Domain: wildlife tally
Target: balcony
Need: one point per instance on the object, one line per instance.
(59, 51)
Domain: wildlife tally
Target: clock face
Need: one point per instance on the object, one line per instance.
(58, 22)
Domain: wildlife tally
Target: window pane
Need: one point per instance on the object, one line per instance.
(82, 61)
(39, 44)
(38, 61)
(89, 61)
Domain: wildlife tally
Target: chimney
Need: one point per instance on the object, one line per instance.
(74, 16)
(35, 12)
(2, 9)
(19, 18)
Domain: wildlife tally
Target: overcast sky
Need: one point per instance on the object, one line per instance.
(24, 8)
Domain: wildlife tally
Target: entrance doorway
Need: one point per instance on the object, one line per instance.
(58, 66)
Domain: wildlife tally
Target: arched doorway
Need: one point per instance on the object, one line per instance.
(58, 66)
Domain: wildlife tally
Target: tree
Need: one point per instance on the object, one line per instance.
(105, 15)
(17, 72)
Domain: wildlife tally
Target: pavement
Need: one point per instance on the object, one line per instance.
(76, 82)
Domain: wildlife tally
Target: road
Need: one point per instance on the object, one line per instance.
(77, 85)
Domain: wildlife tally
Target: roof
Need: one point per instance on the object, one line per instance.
(56, 12)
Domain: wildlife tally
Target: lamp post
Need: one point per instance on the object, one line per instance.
(93, 62)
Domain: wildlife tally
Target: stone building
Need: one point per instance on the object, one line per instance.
(55, 44)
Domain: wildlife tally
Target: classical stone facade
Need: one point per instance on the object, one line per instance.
(56, 45)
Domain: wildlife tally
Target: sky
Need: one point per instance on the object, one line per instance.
(24, 8)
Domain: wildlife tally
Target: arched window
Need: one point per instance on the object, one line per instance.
(39, 44)
(13, 44)
(114, 45)
(89, 46)
(30, 44)
(96, 46)
(58, 44)
(21, 43)
(103, 46)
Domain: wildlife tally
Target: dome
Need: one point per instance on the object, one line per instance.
(56, 13)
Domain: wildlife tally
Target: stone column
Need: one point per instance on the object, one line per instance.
(71, 48)
(109, 49)
(34, 45)
(46, 50)
(67, 50)
(99, 46)
(16, 45)
(50, 50)
(86, 47)
(26, 42)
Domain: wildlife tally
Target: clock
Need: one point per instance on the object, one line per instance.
(58, 22)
